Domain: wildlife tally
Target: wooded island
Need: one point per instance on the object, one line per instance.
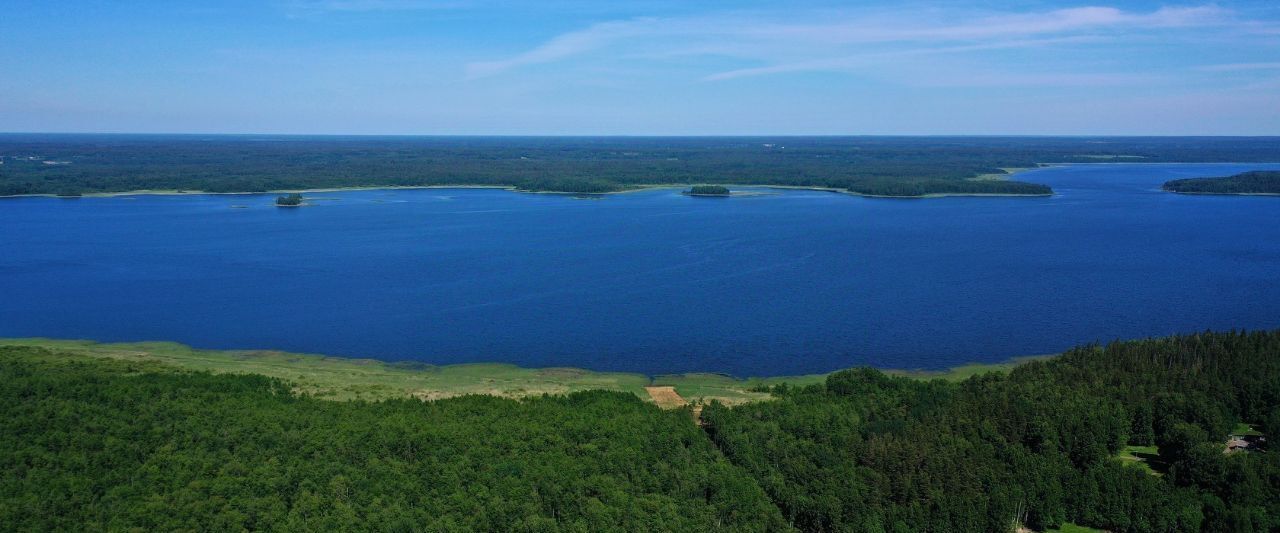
(289, 200)
(708, 190)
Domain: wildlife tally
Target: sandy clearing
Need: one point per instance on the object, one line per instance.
(666, 397)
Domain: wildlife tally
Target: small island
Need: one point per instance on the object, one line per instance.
(708, 190)
(1263, 182)
(569, 185)
(289, 200)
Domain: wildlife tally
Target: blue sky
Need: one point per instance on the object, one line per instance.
(649, 67)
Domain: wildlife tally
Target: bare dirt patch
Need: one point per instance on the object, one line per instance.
(666, 397)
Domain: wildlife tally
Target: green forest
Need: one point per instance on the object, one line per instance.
(106, 445)
(868, 452)
(889, 166)
(95, 444)
(1255, 182)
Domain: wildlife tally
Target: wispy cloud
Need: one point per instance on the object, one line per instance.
(863, 60)
(843, 40)
(907, 27)
(566, 45)
(1235, 67)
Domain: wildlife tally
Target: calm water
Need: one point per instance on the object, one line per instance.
(654, 282)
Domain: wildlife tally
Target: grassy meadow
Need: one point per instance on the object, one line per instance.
(340, 378)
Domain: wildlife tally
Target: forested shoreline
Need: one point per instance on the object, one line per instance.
(882, 166)
(103, 444)
(1254, 182)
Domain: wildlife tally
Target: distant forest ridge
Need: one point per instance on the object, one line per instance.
(1256, 182)
(891, 166)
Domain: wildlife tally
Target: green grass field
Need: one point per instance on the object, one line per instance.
(964, 372)
(728, 389)
(1072, 528)
(1243, 429)
(1144, 457)
(340, 378)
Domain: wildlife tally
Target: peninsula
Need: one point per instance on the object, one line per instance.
(1260, 182)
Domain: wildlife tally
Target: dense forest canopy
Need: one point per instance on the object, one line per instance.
(1255, 182)
(105, 445)
(101, 444)
(899, 166)
(868, 452)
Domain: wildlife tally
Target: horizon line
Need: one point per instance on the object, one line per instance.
(650, 136)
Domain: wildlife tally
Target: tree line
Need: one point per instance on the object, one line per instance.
(892, 166)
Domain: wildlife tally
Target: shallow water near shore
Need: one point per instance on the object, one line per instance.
(653, 281)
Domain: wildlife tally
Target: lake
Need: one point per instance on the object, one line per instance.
(789, 282)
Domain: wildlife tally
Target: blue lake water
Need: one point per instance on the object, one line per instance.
(654, 281)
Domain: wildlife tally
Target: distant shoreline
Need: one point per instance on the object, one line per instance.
(1190, 193)
(651, 187)
(630, 189)
(511, 188)
(175, 192)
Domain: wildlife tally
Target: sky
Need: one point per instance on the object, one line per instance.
(646, 67)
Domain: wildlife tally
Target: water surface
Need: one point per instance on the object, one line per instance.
(654, 281)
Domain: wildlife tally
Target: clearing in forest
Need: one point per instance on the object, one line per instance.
(666, 397)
